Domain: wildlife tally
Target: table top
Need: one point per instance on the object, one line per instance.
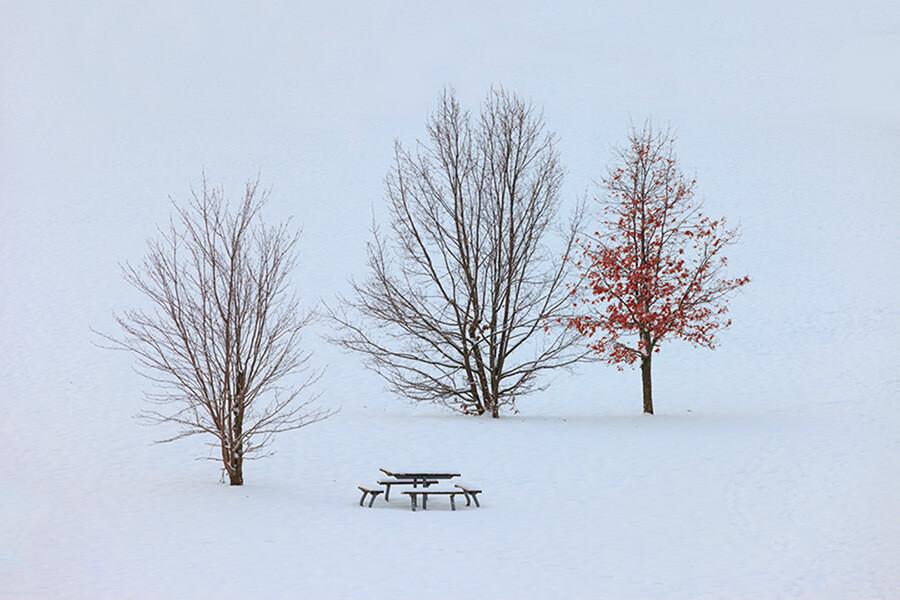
(418, 474)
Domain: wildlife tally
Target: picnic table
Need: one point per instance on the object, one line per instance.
(421, 481)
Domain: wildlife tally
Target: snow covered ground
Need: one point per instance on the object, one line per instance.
(772, 469)
(798, 502)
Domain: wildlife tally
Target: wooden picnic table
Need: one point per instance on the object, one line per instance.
(425, 478)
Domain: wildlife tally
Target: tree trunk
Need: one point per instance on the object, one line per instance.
(233, 463)
(236, 472)
(647, 383)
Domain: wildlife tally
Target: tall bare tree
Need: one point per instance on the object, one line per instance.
(221, 340)
(463, 290)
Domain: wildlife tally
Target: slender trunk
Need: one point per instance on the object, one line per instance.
(490, 405)
(647, 383)
(476, 400)
(495, 394)
(480, 367)
(233, 462)
(236, 472)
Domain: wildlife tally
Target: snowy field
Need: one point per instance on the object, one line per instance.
(783, 490)
(772, 469)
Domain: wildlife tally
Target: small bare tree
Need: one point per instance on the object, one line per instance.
(223, 333)
(462, 294)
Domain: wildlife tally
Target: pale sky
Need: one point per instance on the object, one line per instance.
(788, 113)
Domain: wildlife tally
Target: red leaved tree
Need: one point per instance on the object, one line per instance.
(654, 269)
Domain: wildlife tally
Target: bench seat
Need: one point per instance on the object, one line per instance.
(369, 491)
(425, 492)
(470, 492)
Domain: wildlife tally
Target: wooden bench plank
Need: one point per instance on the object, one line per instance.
(369, 491)
(424, 493)
(471, 494)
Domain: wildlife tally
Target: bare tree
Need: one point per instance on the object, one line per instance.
(223, 333)
(462, 292)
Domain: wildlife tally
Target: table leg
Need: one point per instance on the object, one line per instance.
(387, 492)
(452, 501)
(361, 500)
(424, 501)
(412, 499)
